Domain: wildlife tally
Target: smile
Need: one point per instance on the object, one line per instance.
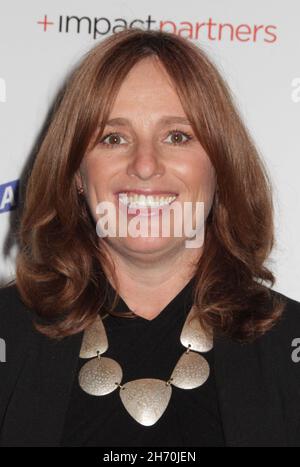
(145, 201)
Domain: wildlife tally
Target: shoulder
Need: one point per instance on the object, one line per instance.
(15, 317)
(280, 346)
(16, 337)
(279, 336)
(289, 322)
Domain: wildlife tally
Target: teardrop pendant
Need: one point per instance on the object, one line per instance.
(146, 399)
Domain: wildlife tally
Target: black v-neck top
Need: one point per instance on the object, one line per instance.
(146, 349)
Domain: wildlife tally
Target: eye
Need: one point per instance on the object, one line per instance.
(179, 137)
(114, 139)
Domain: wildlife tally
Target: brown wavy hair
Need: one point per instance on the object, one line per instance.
(60, 265)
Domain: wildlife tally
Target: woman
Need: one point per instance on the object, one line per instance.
(144, 340)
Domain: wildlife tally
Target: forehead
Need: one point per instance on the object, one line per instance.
(147, 86)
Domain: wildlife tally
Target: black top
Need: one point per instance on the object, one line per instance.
(146, 349)
(258, 385)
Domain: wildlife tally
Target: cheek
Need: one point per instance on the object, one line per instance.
(203, 186)
(96, 181)
(199, 175)
(98, 174)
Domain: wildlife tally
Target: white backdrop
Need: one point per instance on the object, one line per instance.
(254, 44)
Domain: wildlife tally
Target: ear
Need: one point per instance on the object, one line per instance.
(78, 180)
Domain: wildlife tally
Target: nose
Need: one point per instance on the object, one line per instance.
(145, 162)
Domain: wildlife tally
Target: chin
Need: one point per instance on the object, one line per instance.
(148, 244)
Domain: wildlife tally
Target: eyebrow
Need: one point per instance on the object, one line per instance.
(165, 120)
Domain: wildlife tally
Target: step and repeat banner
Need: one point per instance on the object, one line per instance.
(256, 46)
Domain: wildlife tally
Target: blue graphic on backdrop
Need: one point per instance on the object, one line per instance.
(9, 196)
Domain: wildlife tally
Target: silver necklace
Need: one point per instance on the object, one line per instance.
(144, 399)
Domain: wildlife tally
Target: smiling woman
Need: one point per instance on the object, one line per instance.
(143, 89)
(147, 126)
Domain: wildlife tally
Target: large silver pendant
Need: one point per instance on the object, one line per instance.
(146, 399)
(191, 371)
(193, 336)
(100, 376)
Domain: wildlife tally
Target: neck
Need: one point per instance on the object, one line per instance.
(147, 283)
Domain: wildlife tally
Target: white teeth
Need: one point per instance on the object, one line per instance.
(136, 200)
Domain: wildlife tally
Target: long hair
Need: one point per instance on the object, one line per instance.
(60, 264)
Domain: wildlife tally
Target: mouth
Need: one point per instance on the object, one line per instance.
(142, 200)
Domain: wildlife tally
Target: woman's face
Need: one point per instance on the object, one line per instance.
(147, 146)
